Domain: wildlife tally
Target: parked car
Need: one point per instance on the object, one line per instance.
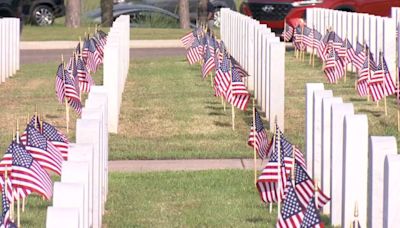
(42, 12)
(10, 8)
(140, 15)
(274, 12)
(173, 7)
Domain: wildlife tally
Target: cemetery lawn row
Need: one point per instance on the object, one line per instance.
(60, 32)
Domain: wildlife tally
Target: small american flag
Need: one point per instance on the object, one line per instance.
(58, 139)
(305, 188)
(193, 55)
(34, 122)
(73, 71)
(93, 59)
(84, 77)
(375, 84)
(209, 62)
(242, 73)
(60, 89)
(271, 191)
(258, 138)
(359, 56)
(312, 218)
(237, 93)
(298, 38)
(189, 38)
(78, 49)
(308, 36)
(334, 68)
(71, 93)
(222, 74)
(362, 80)
(288, 33)
(85, 48)
(345, 51)
(28, 174)
(390, 87)
(5, 220)
(47, 155)
(291, 214)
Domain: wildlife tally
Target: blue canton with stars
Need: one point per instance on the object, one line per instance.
(311, 218)
(21, 157)
(35, 139)
(259, 123)
(51, 133)
(301, 174)
(291, 205)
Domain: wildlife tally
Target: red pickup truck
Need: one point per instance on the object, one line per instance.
(274, 12)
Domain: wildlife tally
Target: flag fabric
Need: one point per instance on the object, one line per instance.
(59, 86)
(242, 73)
(288, 33)
(305, 188)
(209, 63)
(55, 137)
(312, 218)
(258, 136)
(28, 174)
(237, 93)
(47, 155)
(84, 77)
(291, 214)
(375, 84)
(73, 72)
(85, 49)
(71, 93)
(93, 59)
(359, 56)
(78, 49)
(362, 79)
(271, 191)
(5, 216)
(34, 122)
(334, 68)
(317, 42)
(188, 39)
(345, 51)
(298, 38)
(389, 84)
(308, 36)
(193, 55)
(223, 74)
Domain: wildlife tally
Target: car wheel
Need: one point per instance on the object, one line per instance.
(42, 15)
(217, 18)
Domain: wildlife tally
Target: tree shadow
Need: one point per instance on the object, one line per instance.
(216, 114)
(222, 124)
(374, 113)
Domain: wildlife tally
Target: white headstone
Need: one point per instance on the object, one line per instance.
(326, 147)
(338, 111)
(88, 132)
(355, 170)
(84, 153)
(379, 147)
(60, 217)
(317, 130)
(78, 172)
(310, 88)
(70, 195)
(391, 190)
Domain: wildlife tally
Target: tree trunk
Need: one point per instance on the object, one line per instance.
(184, 14)
(73, 14)
(106, 12)
(202, 12)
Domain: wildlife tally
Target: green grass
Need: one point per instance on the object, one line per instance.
(59, 32)
(168, 111)
(225, 198)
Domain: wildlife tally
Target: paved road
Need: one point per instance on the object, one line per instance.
(182, 165)
(42, 56)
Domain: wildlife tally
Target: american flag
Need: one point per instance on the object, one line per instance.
(321, 45)
(222, 51)
(71, 93)
(298, 38)
(60, 88)
(103, 36)
(73, 72)
(57, 138)
(5, 216)
(308, 36)
(85, 48)
(345, 51)
(375, 84)
(100, 44)
(334, 68)
(390, 86)
(362, 80)
(312, 218)
(209, 62)
(258, 136)
(223, 75)
(239, 68)
(271, 191)
(193, 55)
(359, 56)
(333, 42)
(288, 33)
(6, 185)
(317, 42)
(78, 49)
(28, 174)
(34, 122)
(84, 77)
(93, 59)
(291, 214)
(189, 38)
(237, 93)
(305, 188)
(47, 155)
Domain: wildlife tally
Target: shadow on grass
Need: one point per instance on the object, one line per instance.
(255, 220)
(216, 114)
(214, 108)
(222, 124)
(374, 113)
(358, 99)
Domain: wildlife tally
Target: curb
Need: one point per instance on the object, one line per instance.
(49, 45)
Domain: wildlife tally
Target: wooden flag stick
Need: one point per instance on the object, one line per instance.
(278, 139)
(230, 87)
(65, 98)
(270, 207)
(254, 143)
(384, 98)
(316, 192)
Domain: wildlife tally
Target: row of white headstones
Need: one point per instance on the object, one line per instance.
(354, 168)
(79, 198)
(379, 33)
(9, 47)
(262, 55)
